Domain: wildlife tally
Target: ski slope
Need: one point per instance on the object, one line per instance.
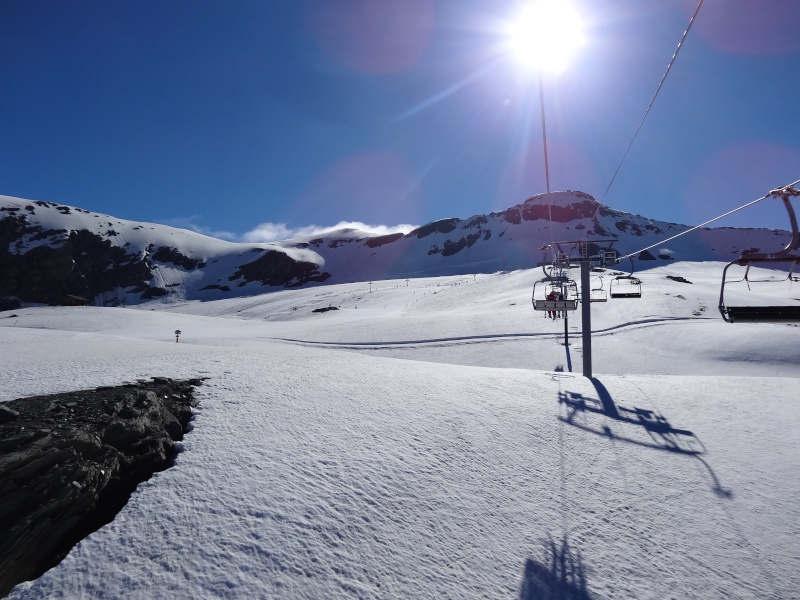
(434, 438)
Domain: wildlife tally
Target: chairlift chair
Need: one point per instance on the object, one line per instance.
(598, 294)
(789, 257)
(555, 294)
(625, 286)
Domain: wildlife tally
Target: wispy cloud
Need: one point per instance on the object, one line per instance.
(271, 232)
(190, 223)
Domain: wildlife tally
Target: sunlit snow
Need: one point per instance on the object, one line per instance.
(432, 438)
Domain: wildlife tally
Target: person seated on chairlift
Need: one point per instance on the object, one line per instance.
(550, 298)
(561, 299)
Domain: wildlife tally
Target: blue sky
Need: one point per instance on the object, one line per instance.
(257, 118)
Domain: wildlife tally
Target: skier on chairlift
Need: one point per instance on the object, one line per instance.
(550, 298)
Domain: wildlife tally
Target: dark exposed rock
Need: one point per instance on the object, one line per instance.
(451, 247)
(7, 414)
(78, 263)
(600, 230)
(535, 210)
(476, 221)
(441, 226)
(645, 255)
(325, 309)
(678, 279)
(512, 215)
(383, 239)
(69, 463)
(214, 286)
(279, 269)
(167, 254)
(9, 303)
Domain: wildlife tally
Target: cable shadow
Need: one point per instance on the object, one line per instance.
(562, 575)
(661, 435)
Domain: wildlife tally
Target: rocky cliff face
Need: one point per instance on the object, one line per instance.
(69, 462)
(81, 264)
(55, 254)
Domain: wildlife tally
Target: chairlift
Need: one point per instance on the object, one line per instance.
(555, 294)
(598, 294)
(625, 286)
(788, 257)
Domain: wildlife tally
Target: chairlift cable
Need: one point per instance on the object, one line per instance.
(546, 163)
(730, 212)
(647, 112)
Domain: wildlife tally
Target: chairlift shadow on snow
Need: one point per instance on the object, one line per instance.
(562, 575)
(661, 435)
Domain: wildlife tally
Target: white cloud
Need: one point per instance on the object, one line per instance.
(271, 232)
(190, 223)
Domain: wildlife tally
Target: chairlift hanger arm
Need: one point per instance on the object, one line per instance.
(760, 314)
(776, 191)
(784, 194)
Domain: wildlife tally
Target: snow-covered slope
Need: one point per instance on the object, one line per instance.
(432, 438)
(60, 254)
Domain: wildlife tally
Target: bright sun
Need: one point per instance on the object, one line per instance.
(546, 35)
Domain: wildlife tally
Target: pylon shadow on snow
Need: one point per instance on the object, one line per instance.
(562, 575)
(661, 435)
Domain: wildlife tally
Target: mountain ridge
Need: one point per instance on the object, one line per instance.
(57, 254)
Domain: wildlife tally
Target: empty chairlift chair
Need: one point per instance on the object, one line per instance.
(785, 260)
(598, 293)
(625, 286)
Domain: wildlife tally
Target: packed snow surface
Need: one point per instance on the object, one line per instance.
(435, 438)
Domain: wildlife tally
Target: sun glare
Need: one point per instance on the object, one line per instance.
(546, 35)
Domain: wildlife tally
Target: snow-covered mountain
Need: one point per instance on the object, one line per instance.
(57, 254)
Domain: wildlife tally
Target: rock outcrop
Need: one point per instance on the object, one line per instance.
(69, 463)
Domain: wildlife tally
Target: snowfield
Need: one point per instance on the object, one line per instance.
(434, 438)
